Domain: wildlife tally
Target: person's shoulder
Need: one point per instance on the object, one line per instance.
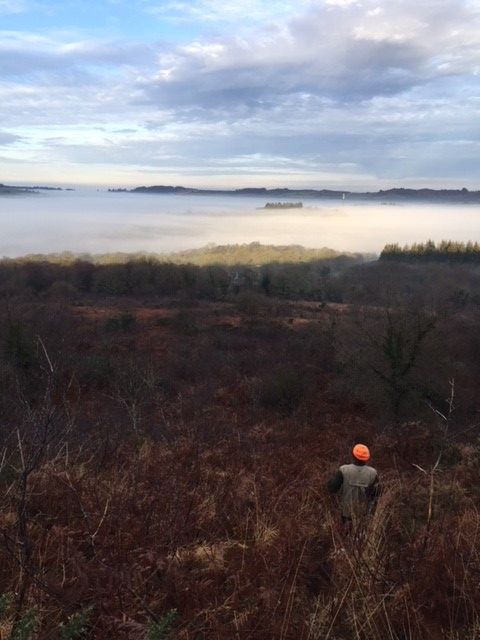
(345, 466)
(372, 470)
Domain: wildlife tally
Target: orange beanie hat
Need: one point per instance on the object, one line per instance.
(361, 452)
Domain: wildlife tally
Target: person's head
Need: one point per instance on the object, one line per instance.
(361, 454)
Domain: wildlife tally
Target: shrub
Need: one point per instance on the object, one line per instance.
(63, 290)
(252, 304)
(96, 370)
(185, 323)
(18, 346)
(282, 390)
(124, 322)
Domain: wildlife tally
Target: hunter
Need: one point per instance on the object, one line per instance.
(357, 486)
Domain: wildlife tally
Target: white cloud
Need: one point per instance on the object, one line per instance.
(238, 12)
(367, 52)
(7, 138)
(341, 3)
(25, 53)
(13, 6)
(338, 87)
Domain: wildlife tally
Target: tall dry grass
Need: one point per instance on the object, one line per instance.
(210, 503)
(243, 542)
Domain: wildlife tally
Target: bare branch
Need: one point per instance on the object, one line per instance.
(46, 353)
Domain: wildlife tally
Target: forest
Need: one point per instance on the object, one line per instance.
(168, 431)
(445, 251)
(208, 273)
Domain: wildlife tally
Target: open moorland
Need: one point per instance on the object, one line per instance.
(164, 454)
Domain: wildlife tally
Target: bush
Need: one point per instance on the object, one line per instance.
(96, 370)
(252, 304)
(62, 290)
(18, 346)
(124, 322)
(282, 390)
(184, 322)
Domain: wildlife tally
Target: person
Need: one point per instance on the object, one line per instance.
(357, 486)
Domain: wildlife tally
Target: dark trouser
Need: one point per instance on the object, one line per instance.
(353, 527)
(347, 523)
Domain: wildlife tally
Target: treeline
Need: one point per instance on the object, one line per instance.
(315, 280)
(445, 251)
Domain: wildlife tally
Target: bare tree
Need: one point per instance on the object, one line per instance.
(398, 347)
(41, 428)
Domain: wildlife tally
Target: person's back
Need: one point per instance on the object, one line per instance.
(357, 485)
(354, 497)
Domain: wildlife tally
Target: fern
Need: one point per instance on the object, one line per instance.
(161, 630)
(26, 627)
(5, 603)
(76, 626)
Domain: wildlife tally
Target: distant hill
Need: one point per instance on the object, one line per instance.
(388, 195)
(425, 195)
(260, 191)
(254, 254)
(6, 189)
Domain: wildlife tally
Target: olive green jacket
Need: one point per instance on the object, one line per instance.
(357, 487)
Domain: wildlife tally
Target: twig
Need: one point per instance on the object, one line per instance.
(46, 354)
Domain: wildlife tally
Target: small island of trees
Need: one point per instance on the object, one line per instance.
(283, 205)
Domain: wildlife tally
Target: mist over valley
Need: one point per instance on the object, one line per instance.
(100, 222)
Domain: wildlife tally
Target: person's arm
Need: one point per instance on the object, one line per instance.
(335, 483)
(373, 491)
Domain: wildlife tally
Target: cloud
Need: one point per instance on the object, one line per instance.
(8, 138)
(214, 13)
(340, 3)
(335, 87)
(13, 6)
(347, 52)
(29, 54)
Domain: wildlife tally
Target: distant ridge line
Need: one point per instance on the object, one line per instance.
(395, 194)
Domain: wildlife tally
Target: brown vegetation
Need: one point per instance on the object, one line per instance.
(164, 465)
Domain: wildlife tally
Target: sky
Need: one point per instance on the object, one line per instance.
(230, 93)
